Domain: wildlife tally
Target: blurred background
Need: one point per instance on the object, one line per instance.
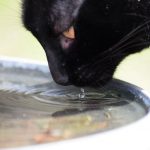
(16, 42)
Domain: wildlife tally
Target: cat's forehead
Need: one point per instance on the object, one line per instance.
(63, 12)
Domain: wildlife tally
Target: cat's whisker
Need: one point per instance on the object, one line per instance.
(118, 49)
(124, 47)
(140, 44)
(122, 44)
(137, 15)
(132, 34)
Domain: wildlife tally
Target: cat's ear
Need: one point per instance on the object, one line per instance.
(63, 13)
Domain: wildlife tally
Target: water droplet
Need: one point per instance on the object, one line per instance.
(82, 94)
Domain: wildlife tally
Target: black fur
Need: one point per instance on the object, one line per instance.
(106, 32)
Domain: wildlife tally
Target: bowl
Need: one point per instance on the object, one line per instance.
(36, 113)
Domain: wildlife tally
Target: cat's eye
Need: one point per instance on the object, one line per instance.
(69, 33)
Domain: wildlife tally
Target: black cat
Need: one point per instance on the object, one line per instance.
(85, 40)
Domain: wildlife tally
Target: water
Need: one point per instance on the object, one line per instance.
(82, 94)
(31, 102)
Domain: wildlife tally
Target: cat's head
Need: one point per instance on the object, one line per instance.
(85, 40)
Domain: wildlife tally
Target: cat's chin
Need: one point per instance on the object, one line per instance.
(95, 82)
(91, 84)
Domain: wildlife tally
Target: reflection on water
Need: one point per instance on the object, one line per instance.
(41, 111)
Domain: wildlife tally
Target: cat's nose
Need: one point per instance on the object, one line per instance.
(57, 69)
(59, 75)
